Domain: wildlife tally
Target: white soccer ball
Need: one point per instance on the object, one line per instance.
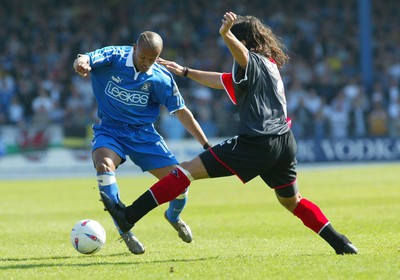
(88, 236)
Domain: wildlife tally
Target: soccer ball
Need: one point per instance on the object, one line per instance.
(88, 236)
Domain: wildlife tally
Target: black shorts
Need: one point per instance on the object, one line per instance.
(271, 157)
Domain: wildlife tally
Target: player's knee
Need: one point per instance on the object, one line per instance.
(185, 165)
(195, 168)
(105, 165)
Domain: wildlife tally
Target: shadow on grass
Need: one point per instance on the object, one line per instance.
(88, 264)
(52, 258)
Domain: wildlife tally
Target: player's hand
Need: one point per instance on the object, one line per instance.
(81, 65)
(227, 22)
(171, 66)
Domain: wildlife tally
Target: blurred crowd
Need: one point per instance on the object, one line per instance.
(326, 94)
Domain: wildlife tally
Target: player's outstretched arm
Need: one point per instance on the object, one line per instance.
(82, 65)
(187, 119)
(205, 78)
(237, 48)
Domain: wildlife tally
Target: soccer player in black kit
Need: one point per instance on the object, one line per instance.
(264, 144)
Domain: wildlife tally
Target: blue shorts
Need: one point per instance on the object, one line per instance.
(144, 146)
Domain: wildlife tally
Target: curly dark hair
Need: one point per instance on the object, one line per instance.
(260, 38)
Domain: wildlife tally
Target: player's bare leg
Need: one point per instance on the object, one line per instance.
(106, 161)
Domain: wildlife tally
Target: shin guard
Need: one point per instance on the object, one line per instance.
(311, 216)
(169, 187)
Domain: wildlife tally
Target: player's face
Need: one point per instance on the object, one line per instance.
(144, 58)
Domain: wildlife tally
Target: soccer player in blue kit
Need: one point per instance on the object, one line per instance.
(264, 144)
(129, 87)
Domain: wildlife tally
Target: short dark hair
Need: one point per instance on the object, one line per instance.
(151, 40)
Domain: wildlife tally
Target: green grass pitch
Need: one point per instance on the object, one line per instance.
(240, 231)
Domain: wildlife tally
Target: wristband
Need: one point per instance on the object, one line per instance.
(185, 71)
(206, 146)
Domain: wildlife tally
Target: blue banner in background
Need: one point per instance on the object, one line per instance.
(78, 162)
(349, 150)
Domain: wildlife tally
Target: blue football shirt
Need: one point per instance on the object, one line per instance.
(126, 95)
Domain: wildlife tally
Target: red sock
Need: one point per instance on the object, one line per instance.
(311, 215)
(169, 187)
